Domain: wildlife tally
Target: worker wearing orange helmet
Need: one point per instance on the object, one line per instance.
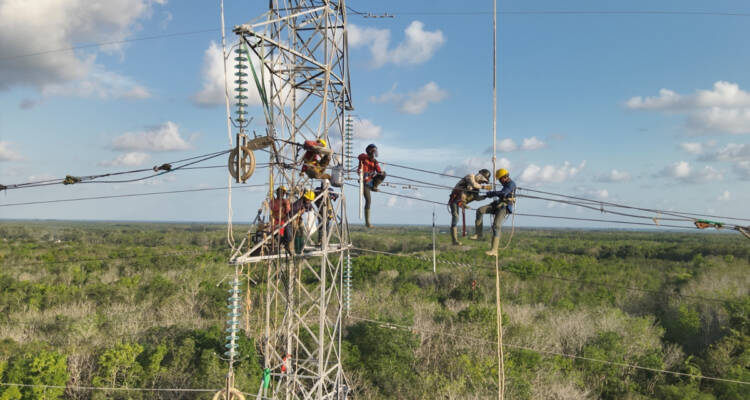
(316, 158)
(500, 208)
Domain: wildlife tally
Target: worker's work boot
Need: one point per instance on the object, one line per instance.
(367, 219)
(495, 244)
(477, 231)
(454, 236)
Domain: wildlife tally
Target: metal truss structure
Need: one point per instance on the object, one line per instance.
(300, 53)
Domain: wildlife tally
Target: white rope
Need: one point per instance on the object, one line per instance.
(230, 233)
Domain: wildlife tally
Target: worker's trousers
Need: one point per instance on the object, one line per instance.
(455, 210)
(496, 208)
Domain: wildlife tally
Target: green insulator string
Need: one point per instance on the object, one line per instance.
(240, 87)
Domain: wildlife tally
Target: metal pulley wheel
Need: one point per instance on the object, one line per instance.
(241, 167)
(234, 394)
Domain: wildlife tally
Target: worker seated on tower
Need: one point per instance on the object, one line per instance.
(279, 208)
(316, 158)
(298, 208)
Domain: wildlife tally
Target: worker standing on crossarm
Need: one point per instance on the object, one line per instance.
(500, 208)
(466, 191)
(299, 207)
(316, 158)
(372, 176)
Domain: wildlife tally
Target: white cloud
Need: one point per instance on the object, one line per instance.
(7, 153)
(28, 27)
(165, 137)
(726, 196)
(473, 164)
(682, 171)
(506, 145)
(365, 129)
(418, 45)
(614, 176)
(723, 109)
(742, 169)
(534, 174)
(101, 84)
(730, 152)
(414, 102)
(127, 159)
(697, 148)
(532, 143)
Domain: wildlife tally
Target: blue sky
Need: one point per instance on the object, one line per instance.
(649, 110)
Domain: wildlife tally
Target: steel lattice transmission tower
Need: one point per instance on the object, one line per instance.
(300, 63)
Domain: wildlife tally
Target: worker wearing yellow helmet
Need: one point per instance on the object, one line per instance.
(316, 158)
(500, 208)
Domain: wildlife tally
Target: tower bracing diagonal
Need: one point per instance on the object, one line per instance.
(296, 57)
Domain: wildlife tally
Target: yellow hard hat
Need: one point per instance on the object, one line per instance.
(323, 142)
(501, 173)
(310, 195)
(282, 188)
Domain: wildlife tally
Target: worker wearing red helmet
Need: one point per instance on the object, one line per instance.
(372, 176)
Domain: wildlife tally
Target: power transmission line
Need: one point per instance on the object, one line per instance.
(88, 45)
(552, 277)
(122, 195)
(164, 168)
(548, 352)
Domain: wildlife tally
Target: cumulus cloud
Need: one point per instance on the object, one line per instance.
(532, 143)
(742, 169)
(48, 25)
(730, 152)
(683, 172)
(414, 102)
(165, 137)
(418, 45)
(7, 153)
(212, 80)
(506, 146)
(101, 84)
(534, 174)
(723, 109)
(697, 147)
(473, 164)
(614, 176)
(127, 160)
(366, 129)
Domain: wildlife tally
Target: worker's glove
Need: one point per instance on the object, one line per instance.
(495, 193)
(487, 187)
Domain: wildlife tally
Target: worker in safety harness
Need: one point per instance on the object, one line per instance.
(372, 176)
(500, 208)
(466, 191)
(316, 158)
(280, 207)
(327, 202)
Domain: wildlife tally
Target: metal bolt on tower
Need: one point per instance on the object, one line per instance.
(298, 58)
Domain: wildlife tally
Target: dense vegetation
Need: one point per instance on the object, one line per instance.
(137, 305)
